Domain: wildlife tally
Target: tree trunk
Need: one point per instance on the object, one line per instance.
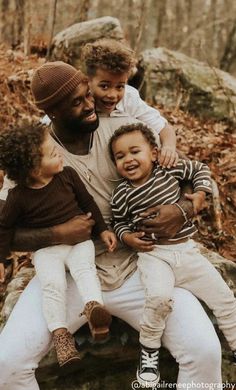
(229, 55)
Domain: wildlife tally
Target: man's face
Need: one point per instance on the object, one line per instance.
(76, 113)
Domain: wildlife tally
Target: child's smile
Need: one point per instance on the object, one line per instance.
(108, 89)
(134, 157)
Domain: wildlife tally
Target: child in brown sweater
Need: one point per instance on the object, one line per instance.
(47, 194)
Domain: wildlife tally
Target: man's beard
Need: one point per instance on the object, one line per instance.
(80, 126)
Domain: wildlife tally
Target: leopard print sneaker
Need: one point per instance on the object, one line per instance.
(99, 320)
(65, 348)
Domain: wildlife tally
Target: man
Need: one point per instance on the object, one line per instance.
(62, 92)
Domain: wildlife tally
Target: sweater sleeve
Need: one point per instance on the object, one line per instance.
(86, 201)
(9, 215)
(120, 214)
(196, 171)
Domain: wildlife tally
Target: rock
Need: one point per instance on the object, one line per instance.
(226, 267)
(66, 45)
(174, 80)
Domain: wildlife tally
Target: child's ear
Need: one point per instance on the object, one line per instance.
(35, 173)
(154, 154)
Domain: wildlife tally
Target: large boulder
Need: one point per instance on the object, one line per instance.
(120, 353)
(174, 80)
(66, 45)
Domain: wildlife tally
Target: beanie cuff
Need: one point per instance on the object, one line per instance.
(62, 92)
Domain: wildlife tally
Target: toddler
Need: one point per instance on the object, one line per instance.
(163, 264)
(47, 194)
(108, 64)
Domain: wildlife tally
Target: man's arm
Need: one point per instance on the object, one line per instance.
(169, 219)
(71, 232)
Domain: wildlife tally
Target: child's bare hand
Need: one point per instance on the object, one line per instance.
(168, 157)
(134, 240)
(2, 273)
(198, 200)
(109, 238)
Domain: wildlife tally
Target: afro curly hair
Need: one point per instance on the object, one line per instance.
(20, 150)
(109, 55)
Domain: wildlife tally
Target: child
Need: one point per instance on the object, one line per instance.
(47, 195)
(108, 64)
(169, 263)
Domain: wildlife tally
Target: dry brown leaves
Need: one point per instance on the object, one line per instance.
(15, 96)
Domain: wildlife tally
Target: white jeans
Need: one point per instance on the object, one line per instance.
(189, 335)
(182, 265)
(51, 264)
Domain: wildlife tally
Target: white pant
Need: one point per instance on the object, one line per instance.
(51, 264)
(182, 265)
(26, 339)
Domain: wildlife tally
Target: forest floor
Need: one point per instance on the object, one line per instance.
(206, 140)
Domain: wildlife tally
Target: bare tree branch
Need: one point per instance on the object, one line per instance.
(53, 21)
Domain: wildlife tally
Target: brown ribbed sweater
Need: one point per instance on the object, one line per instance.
(62, 199)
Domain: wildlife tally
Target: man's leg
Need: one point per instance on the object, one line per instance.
(26, 339)
(189, 335)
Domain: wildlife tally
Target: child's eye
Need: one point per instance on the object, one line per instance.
(120, 87)
(119, 156)
(103, 86)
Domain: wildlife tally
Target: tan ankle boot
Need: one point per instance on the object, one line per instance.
(65, 348)
(99, 320)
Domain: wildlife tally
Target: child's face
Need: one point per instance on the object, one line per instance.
(52, 161)
(108, 89)
(134, 157)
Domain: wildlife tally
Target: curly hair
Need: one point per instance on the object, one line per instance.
(109, 55)
(126, 129)
(20, 150)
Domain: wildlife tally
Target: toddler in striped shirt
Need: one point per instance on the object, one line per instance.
(163, 264)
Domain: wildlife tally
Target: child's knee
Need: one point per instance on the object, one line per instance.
(157, 308)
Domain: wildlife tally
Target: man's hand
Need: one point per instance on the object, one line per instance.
(164, 221)
(2, 273)
(168, 157)
(109, 238)
(198, 198)
(73, 231)
(134, 240)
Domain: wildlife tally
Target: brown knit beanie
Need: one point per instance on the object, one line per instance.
(53, 81)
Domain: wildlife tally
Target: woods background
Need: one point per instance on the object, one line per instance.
(204, 29)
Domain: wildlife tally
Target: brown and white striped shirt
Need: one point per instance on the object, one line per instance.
(161, 188)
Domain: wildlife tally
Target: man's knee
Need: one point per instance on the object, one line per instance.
(10, 369)
(206, 353)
